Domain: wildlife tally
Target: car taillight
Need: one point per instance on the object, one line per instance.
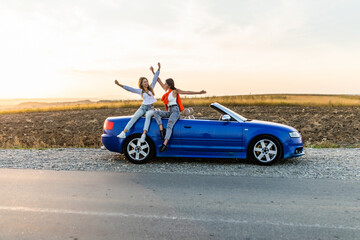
(108, 125)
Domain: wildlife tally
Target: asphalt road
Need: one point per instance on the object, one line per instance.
(37, 204)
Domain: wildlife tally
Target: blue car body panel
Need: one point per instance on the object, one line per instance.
(205, 138)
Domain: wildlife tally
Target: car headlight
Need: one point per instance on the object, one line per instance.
(294, 134)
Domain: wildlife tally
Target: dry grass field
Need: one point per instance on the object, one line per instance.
(324, 121)
(239, 100)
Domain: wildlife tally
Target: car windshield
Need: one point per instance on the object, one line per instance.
(224, 110)
(243, 119)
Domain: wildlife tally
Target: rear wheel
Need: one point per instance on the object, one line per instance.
(265, 150)
(137, 152)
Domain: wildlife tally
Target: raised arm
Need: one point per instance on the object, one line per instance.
(161, 83)
(189, 92)
(156, 75)
(158, 79)
(127, 88)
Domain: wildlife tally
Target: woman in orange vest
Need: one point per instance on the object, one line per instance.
(174, 106)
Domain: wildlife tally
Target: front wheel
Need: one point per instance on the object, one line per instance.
(265, 150)
(137, 152)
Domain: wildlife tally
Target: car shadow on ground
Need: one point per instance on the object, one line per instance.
(221, 161)
(212, 161)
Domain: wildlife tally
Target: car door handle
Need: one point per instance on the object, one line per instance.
(187, 126)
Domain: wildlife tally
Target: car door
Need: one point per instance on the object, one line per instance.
(217, 138)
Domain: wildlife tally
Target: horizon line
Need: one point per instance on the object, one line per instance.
(230, 95)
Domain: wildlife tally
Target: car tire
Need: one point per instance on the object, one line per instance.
(265, 150)
(137, 152)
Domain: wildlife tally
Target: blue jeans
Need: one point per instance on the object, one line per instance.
(148, 110)
(173, 114)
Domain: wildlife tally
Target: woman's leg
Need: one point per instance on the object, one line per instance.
(160, 114)
(175, 115)
(148, 116)
(138, 114)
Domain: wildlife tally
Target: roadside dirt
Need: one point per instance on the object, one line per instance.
(326, 126)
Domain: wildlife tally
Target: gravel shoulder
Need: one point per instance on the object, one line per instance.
(336, 163)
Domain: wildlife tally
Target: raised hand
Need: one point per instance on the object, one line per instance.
(152, 69)
(159, 65)
(117, 83)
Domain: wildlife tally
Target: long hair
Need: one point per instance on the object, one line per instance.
(171, 83)
(149, 87)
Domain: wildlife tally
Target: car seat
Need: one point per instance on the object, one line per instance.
(188, 113)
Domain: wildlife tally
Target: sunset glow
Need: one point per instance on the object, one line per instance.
(60, 49)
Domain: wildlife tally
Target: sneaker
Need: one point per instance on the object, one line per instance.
(142, 139)
(122, 135)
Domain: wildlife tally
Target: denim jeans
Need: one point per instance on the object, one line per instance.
(148, 110)
(173, 114)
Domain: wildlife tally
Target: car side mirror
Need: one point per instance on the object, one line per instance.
(225, 118)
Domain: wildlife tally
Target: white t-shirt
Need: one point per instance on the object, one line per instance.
(148, 99)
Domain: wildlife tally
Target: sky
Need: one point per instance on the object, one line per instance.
(77, 48)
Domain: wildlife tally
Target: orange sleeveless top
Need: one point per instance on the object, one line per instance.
(165, 99)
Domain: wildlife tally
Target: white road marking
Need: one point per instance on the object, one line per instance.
(163, 217)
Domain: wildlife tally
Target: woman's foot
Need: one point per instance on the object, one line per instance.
(122, 135)
(162, 133)
(142, 139)
(163, 148)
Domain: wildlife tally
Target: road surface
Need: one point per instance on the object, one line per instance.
(43, 204)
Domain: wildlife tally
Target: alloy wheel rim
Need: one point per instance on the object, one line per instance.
(138, 151)
(265, 150)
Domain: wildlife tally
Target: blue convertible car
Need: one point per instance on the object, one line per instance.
(230, 136)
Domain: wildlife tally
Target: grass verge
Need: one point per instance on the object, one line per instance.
(240, 100)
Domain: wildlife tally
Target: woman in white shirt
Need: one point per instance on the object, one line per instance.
(146, 91)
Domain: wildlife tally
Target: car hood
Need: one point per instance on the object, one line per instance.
(272, 124)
